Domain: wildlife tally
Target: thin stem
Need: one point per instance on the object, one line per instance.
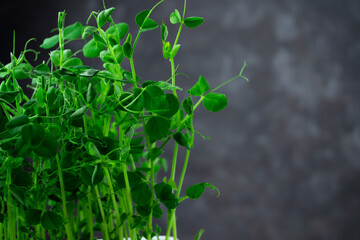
(172, 214)
(63, 200)
(10, 208)
(173, 167)
(181, 24)
(90, 216)
(139, 32)
(183, 173)
(112, 193)
(232, 79)
(104, 222)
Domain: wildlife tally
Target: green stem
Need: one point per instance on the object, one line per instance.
(105, 226)
(133, 70)
(181, 24)
(183, 173)
(139, 32)
(173, 167)
(10, 208)
(63, 200)
(128, 197)
(172, 214)
(112, 193)
(61, 42)
(90, 216)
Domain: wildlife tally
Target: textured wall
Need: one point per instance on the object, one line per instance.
(285, 153)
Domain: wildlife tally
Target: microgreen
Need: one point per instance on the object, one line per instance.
(83, 153)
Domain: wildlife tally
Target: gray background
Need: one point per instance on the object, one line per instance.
(285, 152)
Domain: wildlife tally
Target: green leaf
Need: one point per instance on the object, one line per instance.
(22, 71)
(100, 42)
(106, 57)
(120, 28)
(73, 31)
(215, 102)
(133, 177)
(175, 17)
(166, 86)
(50, 42)
(118, 52)
(9, 96)
(157, 212)
(157, 128)
(148, 25)
(181, 140)
(88, 31)
(51, 220)
(91, 50)
(174, 51)
(200, 87)
(48, 147)
(141, 194)
(42, 69)
(155, 153)
(195, 191)
(55, 57)
(33, 134)
(188, 105)
(166, 50)
(140, 17)
(166, 196)
(103, 16)
(173, 105)
(79, 113)
(17, 121)
(144, 211)
(92, 149)
(91, 93)
(127, 50)
(92, 175)
(33, 216)
(154, 99)
(193, 22)
(89, 72)
(72, 62)
(200, 233)
(164, 32)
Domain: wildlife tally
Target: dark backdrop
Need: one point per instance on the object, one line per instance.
(285, 152)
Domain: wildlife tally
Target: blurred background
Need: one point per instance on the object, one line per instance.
(285, 152)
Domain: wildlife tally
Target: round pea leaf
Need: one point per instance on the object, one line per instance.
(141, 194)
(200, 87)
(193, 22)
(215, 102)
(195, 191)
(92, 50)
(73, 31)
(48, 147)
(50, 42)
(51, 220)
(33, 216)
(157, 128)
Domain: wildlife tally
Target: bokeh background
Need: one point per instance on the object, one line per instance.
(285, 152)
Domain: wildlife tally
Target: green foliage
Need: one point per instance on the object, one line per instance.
(89, 143)
(195, 191)
(175, 17)
(51, 220)
(193, 22)
(200, 87)
(215, 102)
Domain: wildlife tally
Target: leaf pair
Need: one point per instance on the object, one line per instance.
(71, 32)
(144, 22)
(214, 102)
